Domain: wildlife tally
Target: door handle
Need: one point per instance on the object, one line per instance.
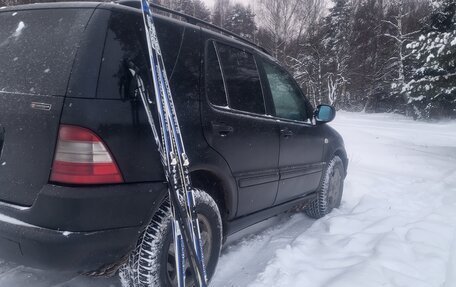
(286, 132)
(221, 128)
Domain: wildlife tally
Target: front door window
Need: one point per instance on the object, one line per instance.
(288, 100)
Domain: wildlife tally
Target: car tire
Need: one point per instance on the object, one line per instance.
(152, 261)
(330, 192)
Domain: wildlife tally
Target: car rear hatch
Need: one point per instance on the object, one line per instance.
(37, 50)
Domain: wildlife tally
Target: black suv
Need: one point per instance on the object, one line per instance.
(81, 183)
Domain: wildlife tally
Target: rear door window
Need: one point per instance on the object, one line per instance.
(242, 80)
(37, 49)
(215, 88)
(126, 49)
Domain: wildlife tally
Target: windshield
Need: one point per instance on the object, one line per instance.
(37, 48)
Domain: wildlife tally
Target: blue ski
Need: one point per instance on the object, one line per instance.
(186, 231)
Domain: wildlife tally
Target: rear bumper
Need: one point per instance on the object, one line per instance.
(51, 249)
(78, 228)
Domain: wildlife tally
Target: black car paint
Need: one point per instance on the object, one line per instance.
(257, 171)
(28, 145)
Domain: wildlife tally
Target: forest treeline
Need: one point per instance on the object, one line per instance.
(358, 55)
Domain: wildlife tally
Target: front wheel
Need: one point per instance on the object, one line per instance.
(152, 262)
(330, 192)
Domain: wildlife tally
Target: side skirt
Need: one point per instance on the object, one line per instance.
(248, 220)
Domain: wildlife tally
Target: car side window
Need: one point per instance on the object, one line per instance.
(124, 50)
(242, 79)
(215, 88)
(288, 101)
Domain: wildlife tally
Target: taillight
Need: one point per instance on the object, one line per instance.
(81, 157)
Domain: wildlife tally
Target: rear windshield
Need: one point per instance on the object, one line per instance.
(37, 49)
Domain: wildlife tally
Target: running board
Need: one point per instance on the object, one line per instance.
(253, 218)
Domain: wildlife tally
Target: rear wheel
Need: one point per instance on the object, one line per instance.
(330, 192)
(152, 262)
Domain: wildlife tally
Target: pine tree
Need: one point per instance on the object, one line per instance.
(432, 90)
(366, 70)
(397, 33)
(220, 11)
(195, 8)
(338, 29)
(241, 20)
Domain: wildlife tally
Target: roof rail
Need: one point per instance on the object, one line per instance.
(192, 20)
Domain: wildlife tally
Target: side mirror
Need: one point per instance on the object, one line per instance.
(324, 114)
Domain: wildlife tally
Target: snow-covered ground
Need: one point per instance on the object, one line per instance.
(396, 225)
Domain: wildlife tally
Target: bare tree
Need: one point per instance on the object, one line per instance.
(308, 70)
(285, 21)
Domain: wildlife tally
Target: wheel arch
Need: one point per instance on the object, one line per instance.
(343, 156)
(336, 148)
(219, 188)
